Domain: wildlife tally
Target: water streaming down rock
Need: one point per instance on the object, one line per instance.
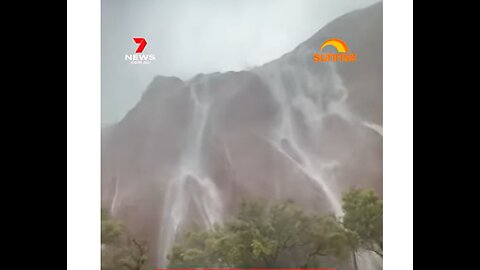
(192, 183)
(298, 96)
(374, 127)
(114, 199)
(189, 151)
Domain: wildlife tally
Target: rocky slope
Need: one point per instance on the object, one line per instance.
(290, 129)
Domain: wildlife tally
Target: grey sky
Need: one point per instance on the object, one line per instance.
(200, 36)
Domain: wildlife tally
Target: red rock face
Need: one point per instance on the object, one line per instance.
(291, 129)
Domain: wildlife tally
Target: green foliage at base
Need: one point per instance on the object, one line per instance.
(119, 251)
(264, 235)
(364, 217)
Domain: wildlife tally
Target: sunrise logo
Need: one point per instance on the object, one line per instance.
(342, 54)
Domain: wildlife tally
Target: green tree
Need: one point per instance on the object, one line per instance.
(135, 256)
(120, 251)
(363, 216)
(327, 239)
(112, 229)
(263, 236)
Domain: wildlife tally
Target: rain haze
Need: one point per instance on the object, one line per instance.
(191, 36)
(197, 145)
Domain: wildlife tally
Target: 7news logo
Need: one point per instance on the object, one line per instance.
(139, 58)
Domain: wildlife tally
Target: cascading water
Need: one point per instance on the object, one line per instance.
(192, 189)
(296, 97)
(306, 161)
(115, 198)
(190, 150)
(191, 182)
(377, 128)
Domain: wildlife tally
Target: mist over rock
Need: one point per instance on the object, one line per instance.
(290, 129)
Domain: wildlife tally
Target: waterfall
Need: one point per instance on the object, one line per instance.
(289, 129)
(306, 161)
(192, 190)
(377, 128)
(115, 198)
(191, 181)
(298, 97)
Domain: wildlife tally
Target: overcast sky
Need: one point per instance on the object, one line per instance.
(200, 36)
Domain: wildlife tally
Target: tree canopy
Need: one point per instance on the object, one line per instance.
(266, 235)
(119, 250)
(364, 216)
(263, 236)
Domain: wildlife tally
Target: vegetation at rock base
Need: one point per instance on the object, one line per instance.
(364, 218)
(264, 235)
(119, 250)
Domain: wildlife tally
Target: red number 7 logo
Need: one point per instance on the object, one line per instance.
(142, 45)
